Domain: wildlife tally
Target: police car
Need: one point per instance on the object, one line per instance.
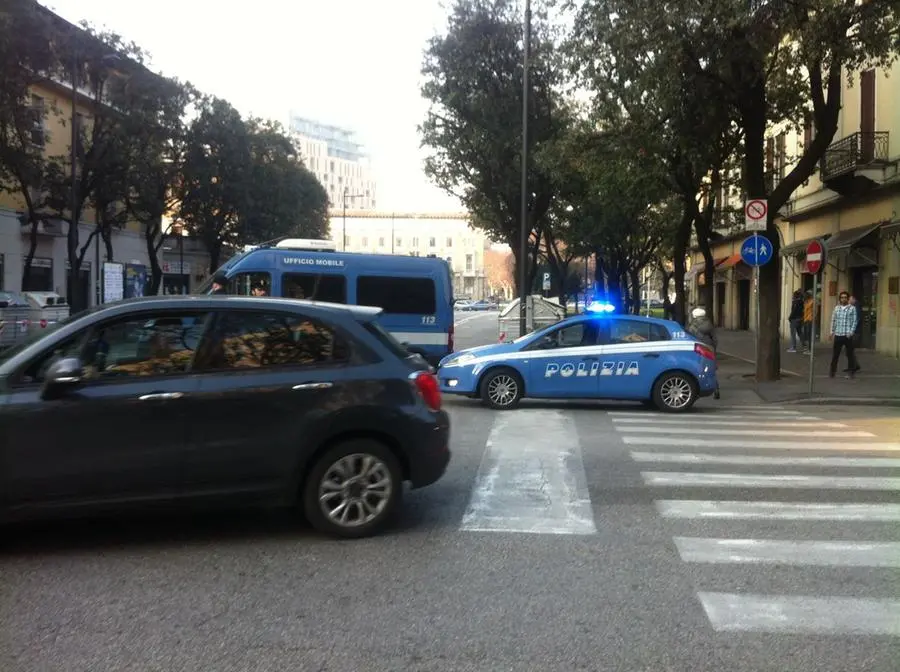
(597, 355)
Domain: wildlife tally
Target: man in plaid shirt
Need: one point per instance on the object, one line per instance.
(843, 326)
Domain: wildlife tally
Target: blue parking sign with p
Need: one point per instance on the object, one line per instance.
(756, 250)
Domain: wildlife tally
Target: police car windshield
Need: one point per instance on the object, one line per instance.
(535, 332)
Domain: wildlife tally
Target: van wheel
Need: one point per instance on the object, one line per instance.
(502, 389)
(674, 392)
(353, 489)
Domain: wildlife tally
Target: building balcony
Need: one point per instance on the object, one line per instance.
(855, 164)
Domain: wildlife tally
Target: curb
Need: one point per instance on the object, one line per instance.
(753, 362)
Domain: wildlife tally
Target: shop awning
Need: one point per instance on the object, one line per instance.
(697, 268)
(847, 240)
(730, 262)
(798, 249)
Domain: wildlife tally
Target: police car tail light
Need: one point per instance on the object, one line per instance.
(704, 351)
(426, 385)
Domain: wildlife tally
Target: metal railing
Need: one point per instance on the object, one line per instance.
(853, 151)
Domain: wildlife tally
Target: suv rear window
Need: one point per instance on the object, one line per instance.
(384, 337)
(409, 296)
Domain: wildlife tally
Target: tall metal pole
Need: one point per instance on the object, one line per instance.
(73, 220)
(344, 225)
(758, 325)
(181, 273)
(812, 330)
(523, 234)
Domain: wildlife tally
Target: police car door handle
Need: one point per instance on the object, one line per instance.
(312, 386)
(651, 354)
(161, 396)
(589, 359)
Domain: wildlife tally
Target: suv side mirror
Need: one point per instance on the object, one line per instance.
(64, 374)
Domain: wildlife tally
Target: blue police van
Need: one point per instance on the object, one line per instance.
(415, 293)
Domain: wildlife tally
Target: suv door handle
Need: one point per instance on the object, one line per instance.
(312, 386)
(161, 396)
(651, 354)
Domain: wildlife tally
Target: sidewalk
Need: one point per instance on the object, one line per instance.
(877, 383)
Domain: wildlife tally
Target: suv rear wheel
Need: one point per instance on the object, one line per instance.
(353, 489)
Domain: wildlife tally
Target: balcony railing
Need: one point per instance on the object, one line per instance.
(854, 151)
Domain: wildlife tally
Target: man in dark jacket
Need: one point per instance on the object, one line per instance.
(702, 328)
(219, 284)
(795, 320)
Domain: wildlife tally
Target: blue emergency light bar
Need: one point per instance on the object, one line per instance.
(599, 307)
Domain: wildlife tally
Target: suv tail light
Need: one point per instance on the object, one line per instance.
(704, 351)
(426, 385)
(450, 339)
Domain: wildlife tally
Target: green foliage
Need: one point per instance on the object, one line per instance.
(243, 182)
(26, 59)
(474, 76)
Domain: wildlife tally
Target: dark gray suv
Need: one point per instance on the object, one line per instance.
(220, 400)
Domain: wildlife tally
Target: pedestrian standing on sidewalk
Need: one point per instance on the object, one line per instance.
(843, 326)
(795, 320)
(702, 328)
(808, 310)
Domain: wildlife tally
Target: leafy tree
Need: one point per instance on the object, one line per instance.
(214, 186)
(156, 145)
(26, 59)
(616, 207)
(767, 63)
(636, 63)
(100, 64)
(284, 197)
(474, 75)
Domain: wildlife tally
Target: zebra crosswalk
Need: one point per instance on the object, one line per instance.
(758, 470)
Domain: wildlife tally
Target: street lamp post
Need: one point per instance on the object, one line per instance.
(523, 234)
(346, 195)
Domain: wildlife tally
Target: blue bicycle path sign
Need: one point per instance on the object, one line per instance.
(756, 250)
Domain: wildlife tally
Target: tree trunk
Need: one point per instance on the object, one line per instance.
(151, 233)
(702, 228)
(753, 118)
(32, 249)
(636, 290)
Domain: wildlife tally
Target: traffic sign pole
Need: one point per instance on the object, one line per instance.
(812, 331)
(758, 311)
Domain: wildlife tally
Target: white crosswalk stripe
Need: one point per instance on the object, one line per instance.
(748, 450)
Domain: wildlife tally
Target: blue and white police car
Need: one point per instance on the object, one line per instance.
(596, 355)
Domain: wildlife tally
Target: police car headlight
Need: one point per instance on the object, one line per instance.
(462, 360)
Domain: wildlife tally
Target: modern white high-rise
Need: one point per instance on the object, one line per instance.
(338, 160)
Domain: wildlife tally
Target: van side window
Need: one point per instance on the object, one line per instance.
(250, 284)
(410, 296)
(316, 287)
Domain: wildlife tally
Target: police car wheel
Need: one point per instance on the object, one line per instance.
(353, 489)
(502, 389)
(674, 392)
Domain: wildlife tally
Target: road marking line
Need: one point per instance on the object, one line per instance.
(682, 479)
(699, 509)
(625, 424)
(672, 442)
(785, 552)
(849, 434)
(707, 418)
(784, 614)
(532, 478)
(704, 414)
(708, 458)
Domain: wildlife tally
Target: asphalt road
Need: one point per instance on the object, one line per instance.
(564, 537)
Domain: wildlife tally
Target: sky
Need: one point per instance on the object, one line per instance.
(354, 63)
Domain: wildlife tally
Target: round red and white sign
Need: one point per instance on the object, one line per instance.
(815, 256)
(756, 209)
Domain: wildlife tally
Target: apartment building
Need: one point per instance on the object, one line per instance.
(51, 102)
(449, 236)
(852, 202)
(338, 160)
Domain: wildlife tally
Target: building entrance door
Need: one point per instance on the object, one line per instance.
(865, 289)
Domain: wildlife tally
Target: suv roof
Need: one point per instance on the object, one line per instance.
(361, 313)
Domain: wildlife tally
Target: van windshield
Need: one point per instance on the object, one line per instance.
(206, 286)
